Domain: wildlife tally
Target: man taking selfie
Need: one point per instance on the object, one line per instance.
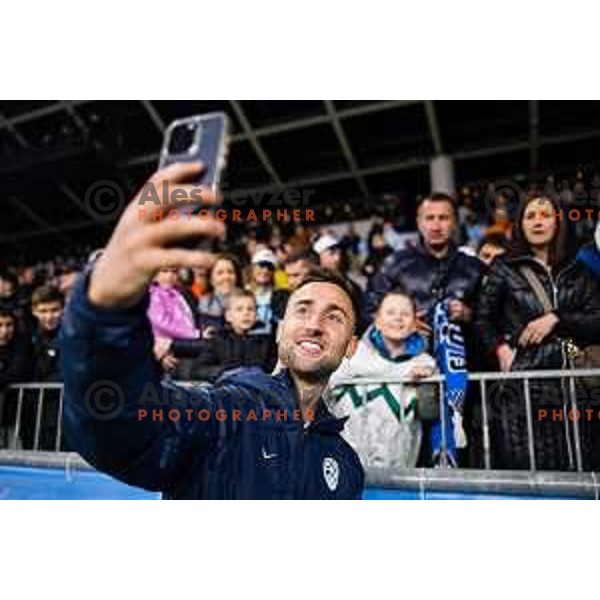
(251, 435)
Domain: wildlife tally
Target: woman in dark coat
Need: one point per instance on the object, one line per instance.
(521, 334)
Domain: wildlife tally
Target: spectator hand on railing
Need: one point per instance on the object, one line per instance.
(506, 356)
(421, 372)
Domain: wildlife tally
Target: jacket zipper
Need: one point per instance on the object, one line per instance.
(301, 482)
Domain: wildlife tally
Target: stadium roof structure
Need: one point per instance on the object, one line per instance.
(51, 152)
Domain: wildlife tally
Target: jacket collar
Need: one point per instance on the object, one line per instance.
(530, 260)
(415, 344)
(39, 336)
(228, 330)
(324, 422)
(422, 249)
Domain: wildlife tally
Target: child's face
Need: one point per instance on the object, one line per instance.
(7, 330)
(48, 314)
(241, 314)
(167, 277)
(396, 318)
(263, 274)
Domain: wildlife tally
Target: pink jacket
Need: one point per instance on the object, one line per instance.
(170, 314)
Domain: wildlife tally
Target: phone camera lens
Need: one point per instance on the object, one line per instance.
(182, 139)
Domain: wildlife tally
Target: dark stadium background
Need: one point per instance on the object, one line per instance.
(350, 152)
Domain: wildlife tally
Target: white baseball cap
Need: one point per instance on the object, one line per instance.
(325, 242)
(264, 255)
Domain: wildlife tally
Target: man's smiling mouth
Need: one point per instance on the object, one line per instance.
(310, 346)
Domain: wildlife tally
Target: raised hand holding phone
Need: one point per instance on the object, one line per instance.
(139, 247)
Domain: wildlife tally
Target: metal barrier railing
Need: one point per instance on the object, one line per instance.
(34, 410)
(569, 397)
(31, 417)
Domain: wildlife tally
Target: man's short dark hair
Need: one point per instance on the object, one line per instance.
(46, 293)
(439, 197)
(305, 255)
(320, 275)
(7, 313)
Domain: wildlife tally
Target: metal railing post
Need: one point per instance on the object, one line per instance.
(59, 422)
(486, 426)
(38, 419)
(574, 409)
(18, 419)
(444, 447)
(530, 440)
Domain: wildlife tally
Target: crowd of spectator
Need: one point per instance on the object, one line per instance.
(476, 253)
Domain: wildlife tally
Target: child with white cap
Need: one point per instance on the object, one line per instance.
(270, 303)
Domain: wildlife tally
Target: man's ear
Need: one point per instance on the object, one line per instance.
(351, 347)
(278, 332)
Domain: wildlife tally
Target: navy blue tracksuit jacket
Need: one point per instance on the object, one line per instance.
(111, 377)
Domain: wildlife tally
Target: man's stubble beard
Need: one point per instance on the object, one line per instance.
(320, 374)
(439, 246)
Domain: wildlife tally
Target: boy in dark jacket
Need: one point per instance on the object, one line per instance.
(47, 306)
(237, 346)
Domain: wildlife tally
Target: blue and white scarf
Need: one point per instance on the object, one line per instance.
(449, 351)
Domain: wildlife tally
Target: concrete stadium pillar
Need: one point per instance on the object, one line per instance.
(441, 172)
